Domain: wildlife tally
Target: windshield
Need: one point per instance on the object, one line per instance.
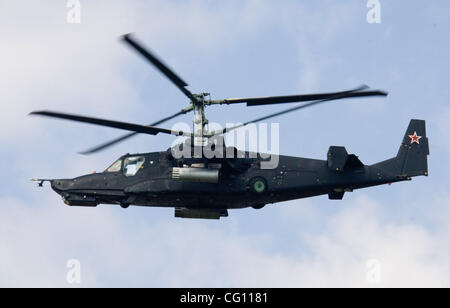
(115, 167)
(131, 165)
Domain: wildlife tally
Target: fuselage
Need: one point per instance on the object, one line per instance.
(151, 182)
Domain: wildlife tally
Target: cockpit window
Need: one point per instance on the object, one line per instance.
(115, 167)
(131, 165)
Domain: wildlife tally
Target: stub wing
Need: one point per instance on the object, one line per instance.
(183, 212)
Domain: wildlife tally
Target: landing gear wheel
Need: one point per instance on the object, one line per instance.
(124, 205)
(258, 185)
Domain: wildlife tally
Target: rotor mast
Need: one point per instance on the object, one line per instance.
(200, 123)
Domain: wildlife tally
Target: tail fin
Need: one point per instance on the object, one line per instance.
(411, 159)
(414, 150)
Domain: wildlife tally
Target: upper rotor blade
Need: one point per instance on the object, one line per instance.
(124, 137)
(257, 101)
(336, 97)
(151, 130)
(180, 83)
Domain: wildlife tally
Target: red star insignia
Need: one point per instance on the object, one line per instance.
(414, 138)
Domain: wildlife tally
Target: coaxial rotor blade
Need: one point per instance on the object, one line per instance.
(151, 130)
(258, 101)
(127, 136)
(163, 68)
(336, 97)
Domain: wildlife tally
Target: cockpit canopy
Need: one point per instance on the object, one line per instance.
(129, 165)
(115, 167)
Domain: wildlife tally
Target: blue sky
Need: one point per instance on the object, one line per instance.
(231, 49)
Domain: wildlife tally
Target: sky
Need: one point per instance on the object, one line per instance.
(230, 49)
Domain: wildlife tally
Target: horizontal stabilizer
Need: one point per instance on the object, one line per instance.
(353, 162)
(339, 160)
(337, 157)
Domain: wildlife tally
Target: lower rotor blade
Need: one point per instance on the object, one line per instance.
(151, 130)
(127, 136)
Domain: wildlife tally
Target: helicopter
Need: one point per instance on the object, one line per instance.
(196, 184)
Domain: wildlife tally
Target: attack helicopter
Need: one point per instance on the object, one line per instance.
(203, 178)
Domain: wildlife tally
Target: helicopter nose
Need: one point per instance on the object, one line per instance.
(59, 185)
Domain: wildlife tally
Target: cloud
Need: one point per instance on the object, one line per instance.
(37, 242)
